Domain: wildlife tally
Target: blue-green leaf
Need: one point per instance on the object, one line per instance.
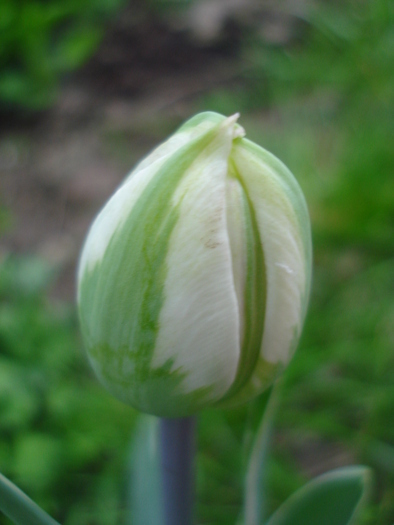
(334, 498)
(19, 508)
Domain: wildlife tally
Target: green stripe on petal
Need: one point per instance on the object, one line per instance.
(194, 279)
(283, 177)
(283, 225)
(122, 294)
(253, 313)
(199, 320)
(206, 118)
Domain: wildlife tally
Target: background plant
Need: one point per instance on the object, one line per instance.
(41, 41)
(323, 103)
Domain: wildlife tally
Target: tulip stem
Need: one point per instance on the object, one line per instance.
(177, 442)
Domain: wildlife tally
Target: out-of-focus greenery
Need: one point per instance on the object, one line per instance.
(40, 40)
(324, 104)
(62, 437)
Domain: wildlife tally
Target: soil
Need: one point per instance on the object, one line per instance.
(58, 168)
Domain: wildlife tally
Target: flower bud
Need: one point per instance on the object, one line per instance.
(194, 279)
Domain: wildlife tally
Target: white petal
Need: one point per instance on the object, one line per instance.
(284, 255)
(238, 245)
(199, 321)
(117, 209)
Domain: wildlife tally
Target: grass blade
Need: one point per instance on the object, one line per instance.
(20, 508)
(254, 483)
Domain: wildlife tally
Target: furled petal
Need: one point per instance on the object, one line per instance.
(284, 229)
(194, 279)
(199, 319)
(157, 300)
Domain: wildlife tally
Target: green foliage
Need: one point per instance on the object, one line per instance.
(331, 499)
(254, 504)
(21, 509)
(345, 47)
(42, 40)
(340, 386)
(58, 426)
(324, 104)
(330, 119)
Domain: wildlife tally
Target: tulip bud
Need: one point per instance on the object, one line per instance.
(194, 279)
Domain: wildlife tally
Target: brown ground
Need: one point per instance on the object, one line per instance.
(59, 167)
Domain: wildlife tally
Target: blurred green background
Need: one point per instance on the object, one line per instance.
(87, 87)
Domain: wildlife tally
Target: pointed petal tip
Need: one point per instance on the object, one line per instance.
(231, 122)
(233, 118)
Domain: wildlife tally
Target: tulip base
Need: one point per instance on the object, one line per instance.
(177, 444)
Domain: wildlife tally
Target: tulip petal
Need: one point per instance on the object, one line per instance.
(283, 225)
(194, 279)
(123, 297)
(118, 208)
(199, 319)
(253, 290)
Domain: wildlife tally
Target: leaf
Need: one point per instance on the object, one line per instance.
(331, 499)
(25, 276)
(38, 459)
(19, 508)
(76, 47)
(145, 496)
(254, 483)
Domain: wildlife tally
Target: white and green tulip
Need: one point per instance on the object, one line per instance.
(194, 279)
